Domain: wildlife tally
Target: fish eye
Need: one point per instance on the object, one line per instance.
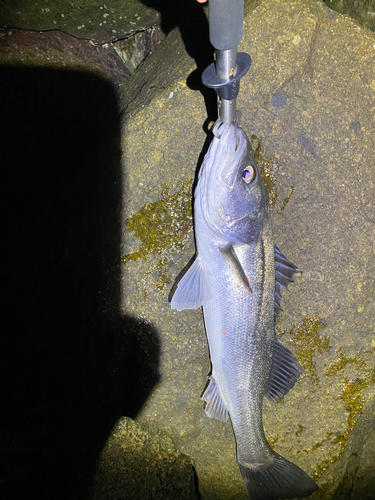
(248, 174)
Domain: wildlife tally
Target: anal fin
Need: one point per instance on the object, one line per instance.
(284, 372)
(215, 407)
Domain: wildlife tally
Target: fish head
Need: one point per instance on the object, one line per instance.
(234, 198)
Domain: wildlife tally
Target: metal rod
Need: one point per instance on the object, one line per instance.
(226, 68)
(226, 109)
(227, 85)
(226, 28)
(225, 64)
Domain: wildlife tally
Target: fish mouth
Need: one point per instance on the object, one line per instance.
(232, 147)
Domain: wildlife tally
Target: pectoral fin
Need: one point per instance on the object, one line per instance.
(284, 372)
(190, 291)
(215, 407)
(230, 256)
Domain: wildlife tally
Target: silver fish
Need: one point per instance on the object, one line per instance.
(233, 278)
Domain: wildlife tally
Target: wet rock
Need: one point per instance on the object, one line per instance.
(310, 85)
(95, 20)
(139, 462)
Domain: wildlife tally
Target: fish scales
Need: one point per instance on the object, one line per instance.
(233, 278)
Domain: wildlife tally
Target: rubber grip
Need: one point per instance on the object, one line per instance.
(226, 23)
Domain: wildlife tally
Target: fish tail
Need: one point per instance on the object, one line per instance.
(282, 479)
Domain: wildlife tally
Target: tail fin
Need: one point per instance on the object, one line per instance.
(280, 480)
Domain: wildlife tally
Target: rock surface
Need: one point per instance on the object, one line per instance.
(109, 39)
(135, 49)
(140, 462)
(308, 103)
(89, 19)
(362, 11)
(55, 49)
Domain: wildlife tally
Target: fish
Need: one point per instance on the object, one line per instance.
(238, 276)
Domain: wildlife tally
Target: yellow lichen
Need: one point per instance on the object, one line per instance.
(352, 397)
(280, 209)
(307, 341)
(341, 362)
(269, 169)
(163, 227)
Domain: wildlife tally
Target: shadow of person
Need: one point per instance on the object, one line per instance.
(70, 363)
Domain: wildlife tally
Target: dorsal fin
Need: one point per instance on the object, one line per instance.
(284, 272)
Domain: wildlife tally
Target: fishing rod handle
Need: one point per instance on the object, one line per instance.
(226, 23)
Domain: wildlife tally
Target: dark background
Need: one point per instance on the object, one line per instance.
(70, 363)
